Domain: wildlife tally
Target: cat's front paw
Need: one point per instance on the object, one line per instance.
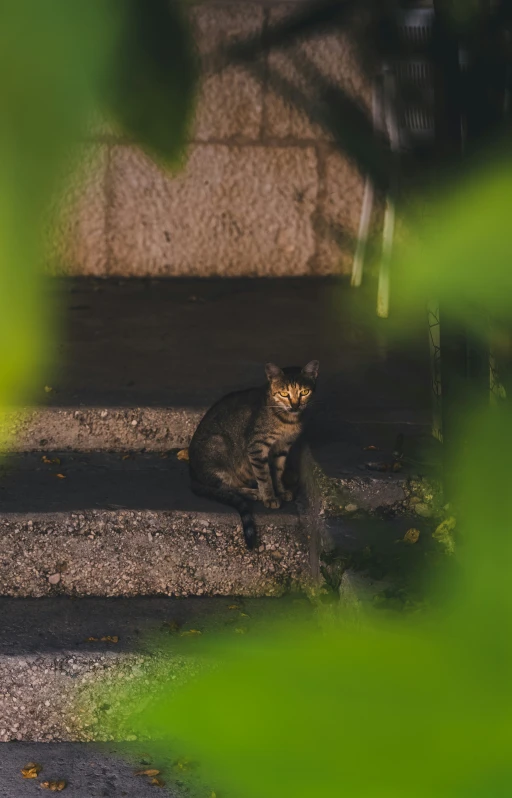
(287, 496)
(272, 502)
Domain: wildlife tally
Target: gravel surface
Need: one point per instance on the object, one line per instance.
(90, 771)
(103, 428)
(127, 553)
(70, 696)
(62, 660)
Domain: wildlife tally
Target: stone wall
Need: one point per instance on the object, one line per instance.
(263, 191)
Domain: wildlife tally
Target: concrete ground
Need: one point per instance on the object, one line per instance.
(58, 656)
(140, 361)
(95, 504)
(184, 343)
(99, 771)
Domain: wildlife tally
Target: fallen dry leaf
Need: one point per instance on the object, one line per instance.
(150, 772)
(157, 783)
(60, 476)
(50, 461)
(31, 771)
(371, 448)
(105, 639)
(182, 454)
(412, 536)
(191, 633)
(54, 786)
(127, 457)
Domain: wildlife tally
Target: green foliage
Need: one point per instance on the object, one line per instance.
(51, 67)
(444, 534)
(151, 89)
(418, 706)
(58, 64)
(462, 250)
(414, 705)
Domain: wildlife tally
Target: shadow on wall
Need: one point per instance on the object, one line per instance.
(264, 191)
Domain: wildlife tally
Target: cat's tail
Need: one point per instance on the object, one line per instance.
(232, 499)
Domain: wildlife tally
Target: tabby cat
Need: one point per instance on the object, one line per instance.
(238, 452)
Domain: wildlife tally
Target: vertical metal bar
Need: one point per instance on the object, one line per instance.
(454, 386)
(385, 262)
(390, 212)
(435, 368)
(362, 237)
(366, 215)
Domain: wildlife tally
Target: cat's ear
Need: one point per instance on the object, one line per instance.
(272, 371)
(311, 370)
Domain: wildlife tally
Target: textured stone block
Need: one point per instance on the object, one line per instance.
(230, 103)
(339, 211)
(231, 211)
(76, 238)
(332, 55)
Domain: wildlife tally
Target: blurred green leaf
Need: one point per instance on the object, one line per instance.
(461, 250)
(411, 706)
(414, 707)
(54, 60)
(57, 64)
(153, 85)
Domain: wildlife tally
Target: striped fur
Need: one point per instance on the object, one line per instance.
(239, 452)
(235, 500)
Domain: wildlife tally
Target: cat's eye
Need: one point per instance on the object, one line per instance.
(283, 393)
(305, 392)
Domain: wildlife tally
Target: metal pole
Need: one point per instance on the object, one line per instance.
(390, 211)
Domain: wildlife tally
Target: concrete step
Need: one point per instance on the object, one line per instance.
(118, 523)
(98, 524)
(183, 343)
(108, 428)
(55, 680)
(90, 770)
(139, 361)
(158, 429)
